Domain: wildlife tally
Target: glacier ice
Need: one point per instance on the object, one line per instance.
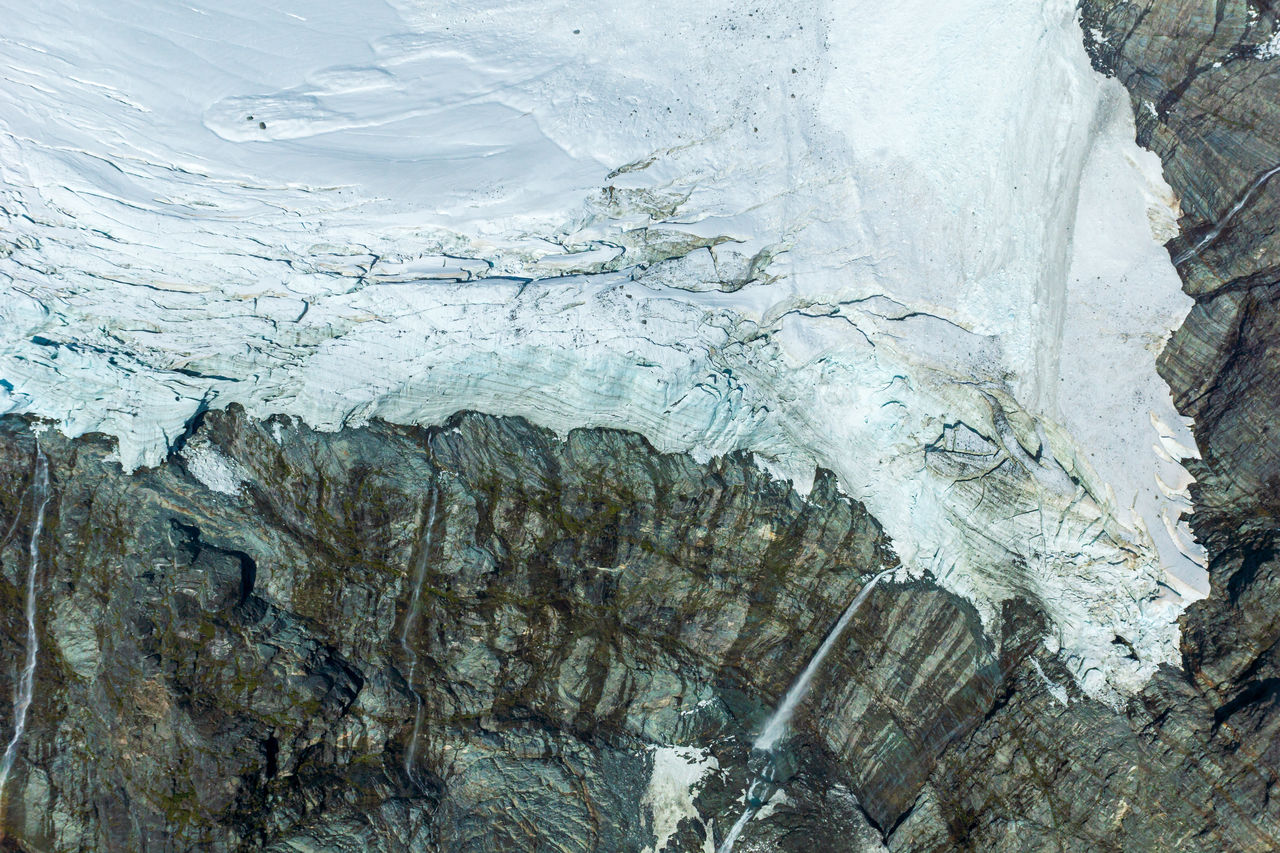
(25, 687)
(914, 244)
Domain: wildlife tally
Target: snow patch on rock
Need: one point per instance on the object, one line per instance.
(1269, 49)
(1057, 691)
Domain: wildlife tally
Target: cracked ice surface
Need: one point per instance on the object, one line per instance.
(911, 243)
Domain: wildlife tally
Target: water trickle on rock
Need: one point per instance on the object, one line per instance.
(767, 780)
(410, 621)
(26, 682)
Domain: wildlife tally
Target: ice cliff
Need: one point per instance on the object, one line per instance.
(915, 244)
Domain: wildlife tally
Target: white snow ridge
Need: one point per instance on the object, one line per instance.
(912, 243)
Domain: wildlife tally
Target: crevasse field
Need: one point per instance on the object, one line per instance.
(915, 244)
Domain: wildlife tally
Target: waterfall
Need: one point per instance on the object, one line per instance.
(1222, 222)
(26, 682)
(777, 725)
(732, 837)
(410, 621)
(766, 782)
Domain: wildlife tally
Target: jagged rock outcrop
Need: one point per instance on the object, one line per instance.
(1205, 81)
(230, 660)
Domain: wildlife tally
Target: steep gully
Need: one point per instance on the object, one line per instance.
(406, 630)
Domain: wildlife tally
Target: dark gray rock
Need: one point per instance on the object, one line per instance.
(244, 672)
(222, 672)
(1191, 764)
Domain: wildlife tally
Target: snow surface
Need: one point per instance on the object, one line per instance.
(911, 243)
(1057, 691)
(1270, 49)
(218, 472)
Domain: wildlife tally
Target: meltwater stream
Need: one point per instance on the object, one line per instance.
(26, 682)
(766, 781)
(1220, 225)
(410, 620)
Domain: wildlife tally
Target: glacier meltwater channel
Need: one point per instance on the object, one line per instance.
(25, 688)
(407, 639)
(914, 244)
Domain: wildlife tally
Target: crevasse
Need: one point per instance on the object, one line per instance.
(25, 688)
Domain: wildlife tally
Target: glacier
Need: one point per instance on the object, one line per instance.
(916, 245)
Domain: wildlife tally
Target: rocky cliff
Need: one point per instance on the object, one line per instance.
(488, 637)
(1192, 763)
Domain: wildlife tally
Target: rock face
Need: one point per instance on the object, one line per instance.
(1192, 763)
(477, 637)
(1205, 82)
(912, 244)
(483, 637)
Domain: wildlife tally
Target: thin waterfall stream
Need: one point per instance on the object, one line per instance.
(1216, 231)
(26, 682)
(406, 629)
(766, 743)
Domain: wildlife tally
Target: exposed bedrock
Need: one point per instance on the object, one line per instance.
(1205, 84)
(221, 664)
(484, 637)
(1204, 81)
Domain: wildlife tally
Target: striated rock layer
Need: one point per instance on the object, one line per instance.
(914, 244)
(485, 637)
(1193, 762)
(231, 662)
